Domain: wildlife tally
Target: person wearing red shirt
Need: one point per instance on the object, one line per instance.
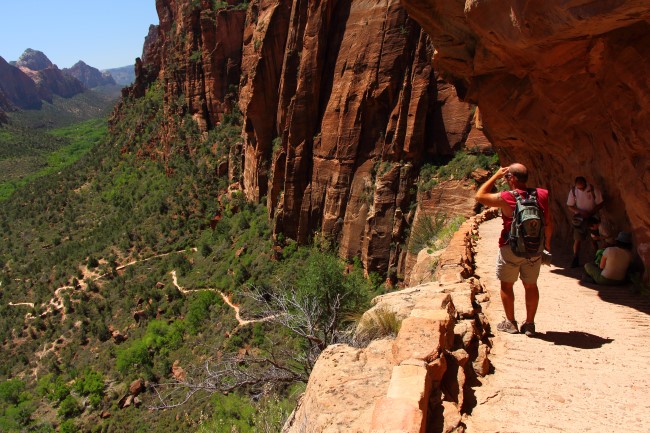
(509, 266)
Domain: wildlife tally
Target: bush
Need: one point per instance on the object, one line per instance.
(134, 358)
(68, 426)
(199, 309)
(10, 391)
(433, 232)
(381, 323)
(459, 167)
(69, 408)
(90, 383)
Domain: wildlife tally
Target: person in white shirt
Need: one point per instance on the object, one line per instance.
(612, 268)
(585, 200)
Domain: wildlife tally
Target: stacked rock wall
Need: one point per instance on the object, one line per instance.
(419, 381)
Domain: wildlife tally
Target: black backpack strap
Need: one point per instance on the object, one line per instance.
(516, 195)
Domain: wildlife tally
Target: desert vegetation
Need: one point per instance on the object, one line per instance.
(89, 303)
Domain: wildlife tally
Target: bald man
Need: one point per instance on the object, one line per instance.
(509, 266)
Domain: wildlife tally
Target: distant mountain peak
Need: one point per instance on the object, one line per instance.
(89, 76)
(34, 60)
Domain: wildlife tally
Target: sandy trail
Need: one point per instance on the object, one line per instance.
(586, 371)
(226, 299)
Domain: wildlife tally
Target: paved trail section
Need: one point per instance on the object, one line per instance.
(587, 370)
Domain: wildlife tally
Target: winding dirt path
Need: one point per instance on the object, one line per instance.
(241, 322)
(586, 370)
(56, 303)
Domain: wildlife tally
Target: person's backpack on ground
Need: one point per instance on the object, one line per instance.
(527, 229)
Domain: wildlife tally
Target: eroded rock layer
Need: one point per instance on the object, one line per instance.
(340, 108)
(562, 87)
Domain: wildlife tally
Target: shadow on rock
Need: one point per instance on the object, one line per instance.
(577, 339)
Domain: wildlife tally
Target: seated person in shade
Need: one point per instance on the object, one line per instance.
(614, 263)
(593, 226)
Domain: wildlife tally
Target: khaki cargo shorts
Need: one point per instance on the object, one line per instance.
(509, 267)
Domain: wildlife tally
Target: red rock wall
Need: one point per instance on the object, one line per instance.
(340, 106)
(337, 149)
(562, 87)
(17, 89)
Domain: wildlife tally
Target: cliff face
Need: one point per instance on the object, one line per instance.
(562, 87)
(358, 108)
(49, 79)
(16, 88)
(340, 106)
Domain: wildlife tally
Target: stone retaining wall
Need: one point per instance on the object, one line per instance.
(420, 381)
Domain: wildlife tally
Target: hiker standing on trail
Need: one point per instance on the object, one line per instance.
(585, 200)
(509, 264)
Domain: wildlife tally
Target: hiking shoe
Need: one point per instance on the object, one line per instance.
(509, 326)
(528, 329)
(575, 263)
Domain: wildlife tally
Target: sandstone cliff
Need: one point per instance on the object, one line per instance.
(47, 77)
(16, 88)
(340, 108)
(562, 87)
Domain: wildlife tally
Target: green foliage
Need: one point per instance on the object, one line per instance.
(90, 384)
(136, 358)
(196, 56)
(459, 167)
(69, 408)
(199, 309)
(219, 4)
(234, 413)
(92, 104)
(11, 390)
(50, 153)
(16, 406)
(140, 356)
(53, 387)
(116, 204)
(433, 232)
(68, 426)
(277, 144)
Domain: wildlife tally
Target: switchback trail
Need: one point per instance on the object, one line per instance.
(241, 321)
(585, 371)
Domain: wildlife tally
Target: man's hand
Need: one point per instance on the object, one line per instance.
(484, 193)
(501, 172)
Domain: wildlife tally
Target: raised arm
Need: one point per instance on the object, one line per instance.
(486, 197)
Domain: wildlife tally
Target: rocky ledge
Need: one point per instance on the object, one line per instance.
(421, 379)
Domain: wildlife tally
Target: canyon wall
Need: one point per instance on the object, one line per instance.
(340, 108)
(562, 87)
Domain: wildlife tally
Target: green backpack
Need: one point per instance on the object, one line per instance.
(527, 231)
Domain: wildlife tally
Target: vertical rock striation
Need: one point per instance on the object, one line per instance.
(562, 87)
(337, 149)
(340, 107)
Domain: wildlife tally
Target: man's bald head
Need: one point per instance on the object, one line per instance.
(519, 171)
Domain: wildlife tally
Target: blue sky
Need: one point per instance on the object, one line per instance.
(104, 34)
